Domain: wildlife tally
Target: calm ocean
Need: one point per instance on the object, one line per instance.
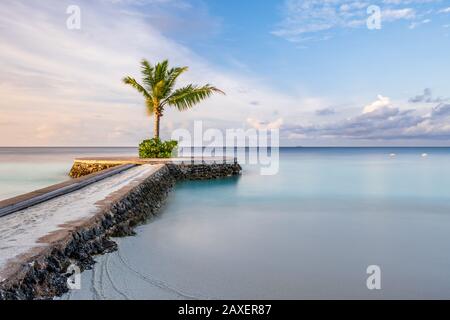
(310, 231)
(26, 169)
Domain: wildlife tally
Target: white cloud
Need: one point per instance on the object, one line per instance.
(381, 121)
(264, 125)
(397, 14)
(307, 20)
(416, 24)
(407, 2)
(311, 16)
(381, 102)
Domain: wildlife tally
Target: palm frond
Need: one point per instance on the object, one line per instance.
(159, 89)
(187, 97)
(132, 82)
(161, 71)
(147, 71)
(171, 79)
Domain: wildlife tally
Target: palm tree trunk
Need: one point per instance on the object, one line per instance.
(156, 125)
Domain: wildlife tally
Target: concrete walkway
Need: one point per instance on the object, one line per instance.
(28, 232)
(24, 201)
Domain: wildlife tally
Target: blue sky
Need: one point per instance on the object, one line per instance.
(402, 57)
(310, 67)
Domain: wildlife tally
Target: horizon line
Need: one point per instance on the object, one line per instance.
(136, 147)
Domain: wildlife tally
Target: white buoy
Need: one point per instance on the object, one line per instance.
(424, 155)
(392, 155)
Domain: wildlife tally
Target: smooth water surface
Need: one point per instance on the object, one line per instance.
(24, 170)
(310, 231)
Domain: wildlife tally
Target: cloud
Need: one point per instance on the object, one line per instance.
(426, 97)
(265, 125)
(312, 20)
(407, 2)
(397, 14)
(180, 4)
(445, 10)
(419, 23)
(310, 16)
(379, 104)
(325, 112)
(441, 110)
(381, 121)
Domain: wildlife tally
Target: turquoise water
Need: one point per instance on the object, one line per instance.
(23, 170)
(310, 231)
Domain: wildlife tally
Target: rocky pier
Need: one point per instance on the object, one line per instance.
(72, 228)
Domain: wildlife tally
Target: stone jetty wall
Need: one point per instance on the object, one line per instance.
(204, 171)
(45, 276)
(184, 170)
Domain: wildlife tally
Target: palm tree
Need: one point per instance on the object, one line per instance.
(158, 90)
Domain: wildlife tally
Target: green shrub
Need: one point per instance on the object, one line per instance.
(155, 148)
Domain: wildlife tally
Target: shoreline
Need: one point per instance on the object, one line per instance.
(39, 273)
